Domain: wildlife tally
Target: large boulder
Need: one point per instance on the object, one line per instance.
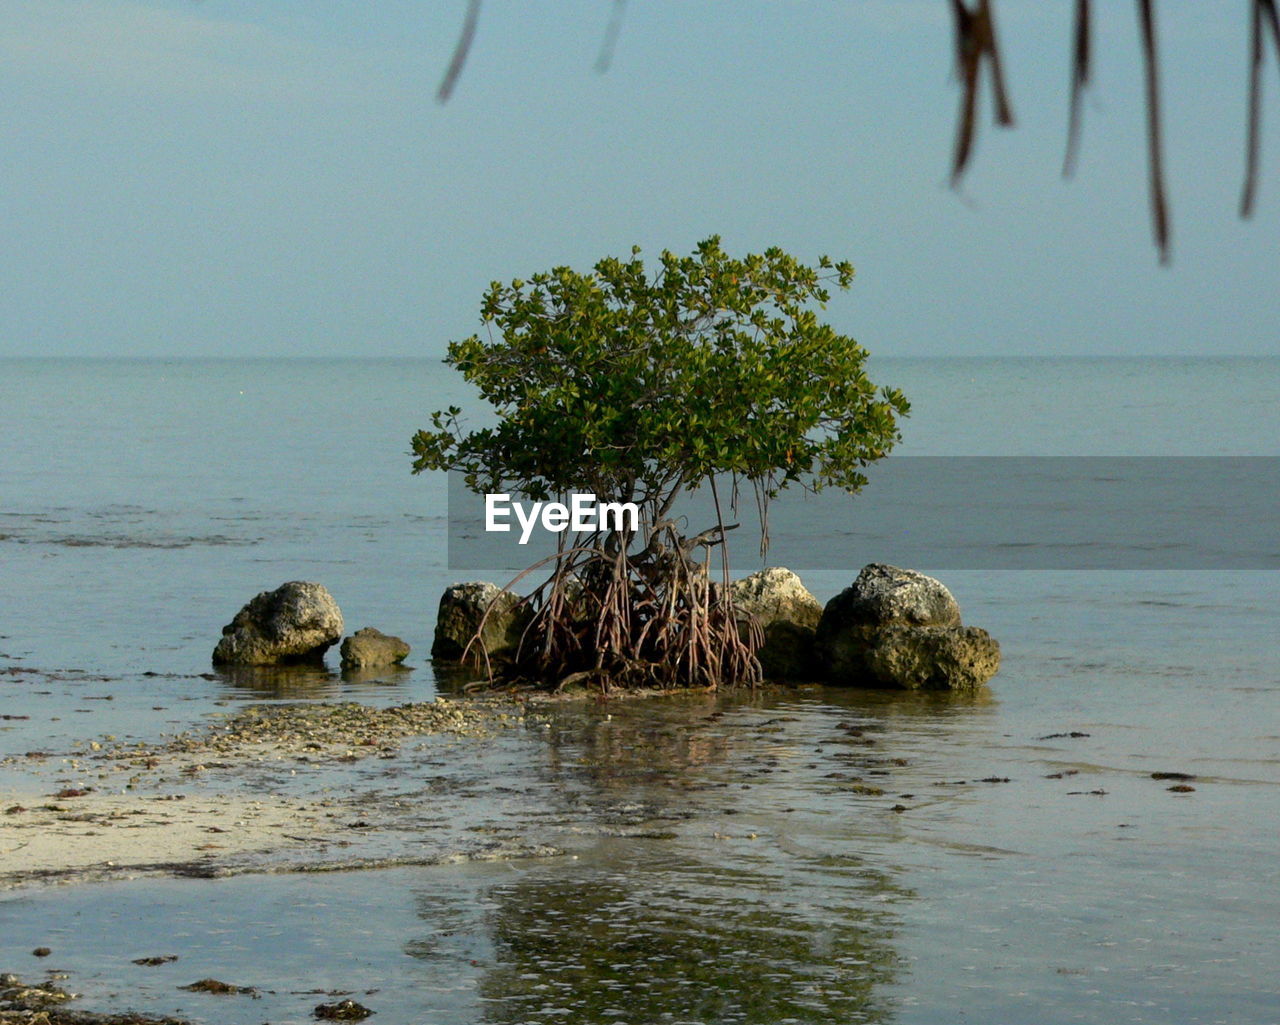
(787, 614)
(897, 627)
(295, 623)
(369, 648)
(463, 607)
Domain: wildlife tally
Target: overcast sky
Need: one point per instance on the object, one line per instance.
(275, 177)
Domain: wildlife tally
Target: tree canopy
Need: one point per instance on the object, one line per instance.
(639, 387)
(634, 386)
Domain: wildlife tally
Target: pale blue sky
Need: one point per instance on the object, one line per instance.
(274, 177)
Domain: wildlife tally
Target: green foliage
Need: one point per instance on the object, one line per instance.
(632, 386)
(638, 388)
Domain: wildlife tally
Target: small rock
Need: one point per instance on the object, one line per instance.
(886, 595)
(297, 622)
(42, 952)
(342, 1010)
(463, 607)
(788, 615)
(217, 986)
(369, 648)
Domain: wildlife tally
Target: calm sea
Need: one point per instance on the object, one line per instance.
(142, 502)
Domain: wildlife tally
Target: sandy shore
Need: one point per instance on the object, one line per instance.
(272, 788)
(101, 834)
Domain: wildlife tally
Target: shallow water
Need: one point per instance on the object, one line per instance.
(728, 859)
(765, 880)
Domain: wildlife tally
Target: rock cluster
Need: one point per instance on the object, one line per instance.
(295, 625)
(891, 628)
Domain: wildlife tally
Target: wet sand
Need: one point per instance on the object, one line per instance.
(271, 788)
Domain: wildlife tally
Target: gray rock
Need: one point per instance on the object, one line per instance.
(897, 627)
(788, 615)
(959, 658)
(883, 595)
(462, 609)
(297, 622)
(368, 648)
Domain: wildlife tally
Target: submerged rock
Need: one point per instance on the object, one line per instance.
(788, 615)
(297, 622)
(218, 986)
(899, 628)
(463, 607)
(342, 1010)
(369, 648)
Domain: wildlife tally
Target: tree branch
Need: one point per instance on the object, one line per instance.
(460, 51)
(1081, 62)
(1159, 205)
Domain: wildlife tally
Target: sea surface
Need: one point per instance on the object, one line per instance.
(1034, 869)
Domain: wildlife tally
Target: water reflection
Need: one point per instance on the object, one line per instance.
(394, 676)
(452, 677)
(694, 756)
(293, 681)
(641, 936)
(745, 869)
(309, 681)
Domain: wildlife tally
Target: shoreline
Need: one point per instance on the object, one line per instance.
(311, 786)
(275, 788)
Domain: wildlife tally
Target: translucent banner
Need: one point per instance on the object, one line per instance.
(984, 512)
